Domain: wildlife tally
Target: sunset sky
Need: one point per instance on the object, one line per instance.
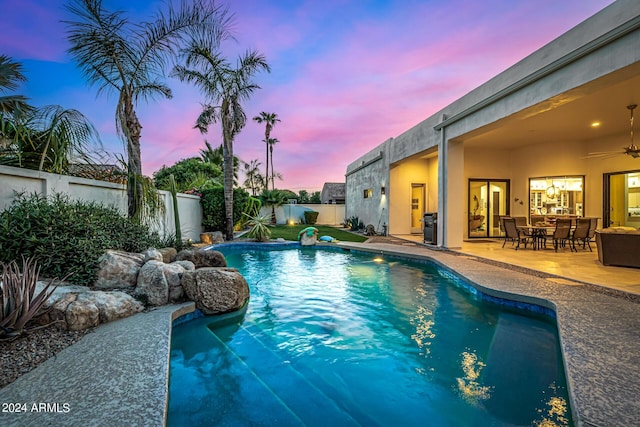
(346, 74)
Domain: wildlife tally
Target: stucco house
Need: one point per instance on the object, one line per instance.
(549, 136)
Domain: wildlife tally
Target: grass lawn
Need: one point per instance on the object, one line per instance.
(290, 232)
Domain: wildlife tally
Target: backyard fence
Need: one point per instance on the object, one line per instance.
(294, 213)
(18, 180)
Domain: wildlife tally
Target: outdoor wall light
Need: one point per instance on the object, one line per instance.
(383, 190)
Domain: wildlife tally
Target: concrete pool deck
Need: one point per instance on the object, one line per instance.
(118, 374)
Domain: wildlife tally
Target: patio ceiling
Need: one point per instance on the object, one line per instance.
(568, 117)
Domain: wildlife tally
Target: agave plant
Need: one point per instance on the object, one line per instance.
(18, 302)
(259, 228)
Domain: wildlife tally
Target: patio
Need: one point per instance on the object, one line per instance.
(582, 266)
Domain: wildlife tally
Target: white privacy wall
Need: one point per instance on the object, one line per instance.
(18, 180)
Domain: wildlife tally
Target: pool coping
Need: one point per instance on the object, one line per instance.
(119, 372)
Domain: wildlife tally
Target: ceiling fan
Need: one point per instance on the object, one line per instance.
(631, 149)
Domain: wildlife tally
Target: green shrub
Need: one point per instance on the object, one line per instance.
(67, 237)
(310, 217)
(213, 215)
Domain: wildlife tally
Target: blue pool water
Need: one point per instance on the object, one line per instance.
(334, 338)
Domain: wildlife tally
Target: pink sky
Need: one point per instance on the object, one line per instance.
(346, 75)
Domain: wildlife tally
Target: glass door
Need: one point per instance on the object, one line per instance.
(622, 199)
(488, 200)
(417, 207)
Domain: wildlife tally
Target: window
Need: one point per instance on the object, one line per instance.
(368, 193)
(556, 196)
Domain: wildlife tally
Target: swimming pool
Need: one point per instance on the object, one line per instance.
(341, 338)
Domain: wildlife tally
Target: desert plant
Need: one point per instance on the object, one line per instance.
(19, 303)
(176, 214)
(259, 228)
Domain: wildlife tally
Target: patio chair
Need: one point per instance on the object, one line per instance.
(592, 233)
(562, 233)
(512, 233)
(526, 233)
(581, 232)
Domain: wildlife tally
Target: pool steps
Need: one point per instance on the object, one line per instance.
(282, 380)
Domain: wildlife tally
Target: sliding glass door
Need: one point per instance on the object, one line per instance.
(488, 200)
(621, 199)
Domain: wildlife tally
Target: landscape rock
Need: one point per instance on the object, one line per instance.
(160, 283)
(212, 238)
(77, 307)
(153, 255)
(168, 254)
(202, 258)
(118, 269)
(152, 284)
(216, 290)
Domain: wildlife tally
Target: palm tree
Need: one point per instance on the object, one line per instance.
(216, 156)
(129, 59)
(46, 138)
(270, 120)
(10, 76)
(273, 198)
(253, 178)
(272, 142)
(225, 87)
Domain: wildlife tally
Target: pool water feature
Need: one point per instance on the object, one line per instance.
(341, 338)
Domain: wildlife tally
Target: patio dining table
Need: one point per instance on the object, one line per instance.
(538, 233)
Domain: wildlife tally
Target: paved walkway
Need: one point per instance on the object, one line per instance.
(118, 374)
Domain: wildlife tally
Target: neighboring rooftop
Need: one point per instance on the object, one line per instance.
(333, 193)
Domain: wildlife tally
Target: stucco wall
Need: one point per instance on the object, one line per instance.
(328, 214)
(369, 172)
(17, 180)
(551, 76)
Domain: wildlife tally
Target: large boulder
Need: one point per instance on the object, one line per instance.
(202, 258)
(160, 283)
(152, 286)
(118, 269)
(77, 307)
(216, 290)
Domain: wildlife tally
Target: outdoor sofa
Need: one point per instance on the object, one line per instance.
(619, 246)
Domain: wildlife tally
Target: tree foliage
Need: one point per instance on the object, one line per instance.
(186, 173)
(213, 208)
(225, 87)
(129, 59)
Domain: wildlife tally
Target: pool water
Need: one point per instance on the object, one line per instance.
(333, 338)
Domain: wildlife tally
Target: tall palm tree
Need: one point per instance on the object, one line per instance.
(253, 179)
(272, 142)
(225, 87)
(270, 120)
(129, 59)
